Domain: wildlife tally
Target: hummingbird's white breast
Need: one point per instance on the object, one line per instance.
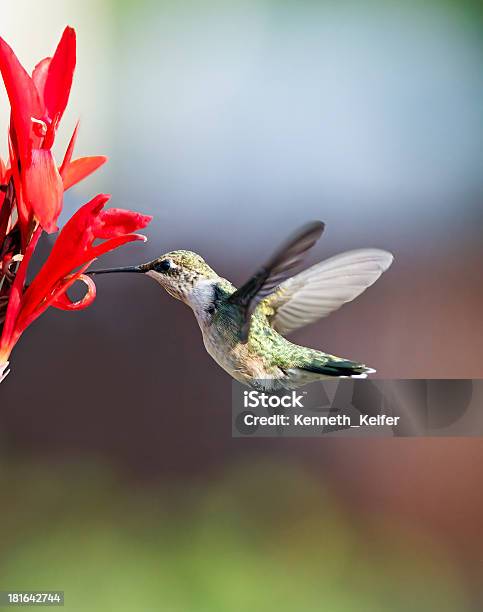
(220, 337)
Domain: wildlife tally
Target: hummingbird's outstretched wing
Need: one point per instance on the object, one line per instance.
(274, 272)
(323, 288)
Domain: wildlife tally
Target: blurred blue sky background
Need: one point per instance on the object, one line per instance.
(262, 114)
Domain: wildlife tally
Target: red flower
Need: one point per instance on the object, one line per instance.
(31, 192)
(38, 103)
(73, 250)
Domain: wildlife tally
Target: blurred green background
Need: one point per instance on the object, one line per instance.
(231, 123)
(262, 535)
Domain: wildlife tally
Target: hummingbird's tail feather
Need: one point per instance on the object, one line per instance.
(342, 368)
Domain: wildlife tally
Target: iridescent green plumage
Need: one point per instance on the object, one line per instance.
(267, 354)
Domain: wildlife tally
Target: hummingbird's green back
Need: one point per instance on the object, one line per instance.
(272, 353)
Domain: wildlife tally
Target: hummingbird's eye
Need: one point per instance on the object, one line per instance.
(164, 265)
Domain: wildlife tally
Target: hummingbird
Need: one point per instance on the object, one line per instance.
(244, 329)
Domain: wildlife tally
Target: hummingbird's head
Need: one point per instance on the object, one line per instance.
(181, 273)
(185, 275)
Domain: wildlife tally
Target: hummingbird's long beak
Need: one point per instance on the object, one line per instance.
(110, 270)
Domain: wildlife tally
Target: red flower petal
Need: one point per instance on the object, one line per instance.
(114, 243)
(59, 76)
(116, 222)
(63, 302)
(43, 188)
(24, 99)
(6, 206)
(3, 172)
(70, 151)
(24, 215)
(39, 76)
(77, 170)
(70, 248)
